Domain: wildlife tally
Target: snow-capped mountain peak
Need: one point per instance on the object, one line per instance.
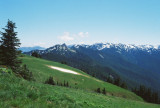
(120, 47)
(58, 47)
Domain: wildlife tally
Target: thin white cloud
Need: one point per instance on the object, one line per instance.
(83, 34)
(39, 44)
(81, 43)
(66, 37)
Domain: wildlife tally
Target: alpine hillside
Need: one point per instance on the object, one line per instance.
(134, 64)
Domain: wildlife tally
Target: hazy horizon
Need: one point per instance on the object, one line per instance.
(155, 46)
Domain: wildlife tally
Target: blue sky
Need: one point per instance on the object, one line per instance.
(49, 22)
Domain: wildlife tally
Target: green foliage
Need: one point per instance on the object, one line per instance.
(32, 95)
(24, 72)
(104, 91)
(9, 53)
(147, 94)
(98, 90)
(123, 85)
(50, 81)
(117, 82)
(35, 54)
(67, 84)
(41, 71)
(64, 84)
(63, 62)
(8, 46)
(20, 93)
(110, 80)
(1, 54)
(4, 70)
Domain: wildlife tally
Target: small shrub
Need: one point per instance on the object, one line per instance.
(64, 62)
(32, 95)
(50, 81)
(104, 91)
(64, 83)
(98, 90)
(67, 84)
(35, 54)
(24, 72)
(61, 84)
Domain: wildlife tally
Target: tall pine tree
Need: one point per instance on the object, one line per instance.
(8, 46)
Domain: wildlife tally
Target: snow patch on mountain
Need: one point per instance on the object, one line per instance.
(120, 47)
(126, 47)
(101, 56)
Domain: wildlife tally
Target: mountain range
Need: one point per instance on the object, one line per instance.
(135, 65)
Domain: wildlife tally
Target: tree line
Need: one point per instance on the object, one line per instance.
(103, 91)
(142, 91)
(117, 81)
(147, 94)
(51, 81)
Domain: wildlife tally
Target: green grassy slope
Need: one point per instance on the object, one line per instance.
(41, 72)
(18, 93)
(15, 92)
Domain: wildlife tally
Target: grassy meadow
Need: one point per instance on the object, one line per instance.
(15, 92)
(41, 72)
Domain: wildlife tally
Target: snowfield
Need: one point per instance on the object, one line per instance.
(64, 70)
(71, 72)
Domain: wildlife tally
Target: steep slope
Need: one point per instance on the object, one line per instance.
(18, 93)
(41, 71)
(121, 60)
(74, 58)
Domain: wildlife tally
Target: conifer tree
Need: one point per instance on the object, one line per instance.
(98, 90)
(8, 46)
(117, 81)
(64, 83)
(67, 84)
(104, 91)
(24, 72)
(35, 54)
(109, 80)
(147, 94)
(50, 81)
(123, 85)
(61, 84)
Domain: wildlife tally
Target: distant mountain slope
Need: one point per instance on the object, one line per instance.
(27, 49)
(145, 56)
(134, 64)
(137, 65)
(61, 53)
